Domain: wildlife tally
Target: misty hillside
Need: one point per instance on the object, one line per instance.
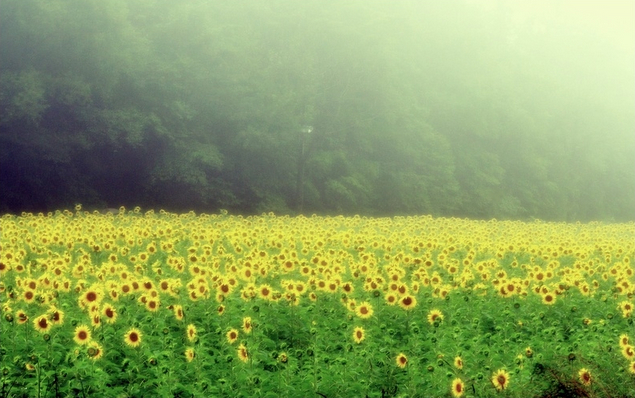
(479, 109)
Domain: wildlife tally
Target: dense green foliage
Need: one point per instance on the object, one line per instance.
(448, 108)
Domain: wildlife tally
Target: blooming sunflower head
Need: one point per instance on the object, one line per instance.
(364, 310)
(42, 324)
(232, 336)
(585, 376)
(110, 313)
(133, 337)
(191, 332)
(623, 340)
(190, 354)
(500, 379)
(457, 388)
(243, 355)
(434, 316)
(359, 335)
(408, 302)
(401, 360)
(82, 335)
(247, 325)
(458, 362)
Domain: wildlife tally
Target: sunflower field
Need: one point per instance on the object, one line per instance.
(161, 304)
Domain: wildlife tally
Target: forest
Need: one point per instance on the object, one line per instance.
(479, 109)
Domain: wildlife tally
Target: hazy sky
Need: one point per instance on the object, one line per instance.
(614, 19)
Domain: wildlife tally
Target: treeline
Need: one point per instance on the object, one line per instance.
(444, 108)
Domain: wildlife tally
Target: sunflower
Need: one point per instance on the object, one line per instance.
(153, 305)
(232, 336)
(631, 367)
(178, 312)
(408, 302)
(190, 354)
(623, 340)
(628, 352)
(529, 352)
(364, 310)
(82, 335)
(401, 360)
(91, 296)
(220, 310)
(500, 379)
(359, 335)
(457, 387)
(458, 362)
(247, 326)
(42, 324)
(95, 351)
(391, 298)
(95, 320)
(243, 355)
(585, 376)
(133, 337)
(56, 316)
(28, 296)
(433, 315)
(548, 299)
(282, 357)
(191, 332)
(627, 308)
(110, 313)
(264, 291)
(22, 317)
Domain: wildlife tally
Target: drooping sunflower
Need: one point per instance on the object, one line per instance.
(458, 362)
(364, 310)
(458, 388)
(56, 316)
(500, 379)
(95, 351)
(82, 335)
(133, 337)
(243, 355)
(232, 336)
(401, 360)
(190, 354)
(191, 332)
(585, 376)
(359, 334)
(247, 326)
(42, 324)
(433, 315)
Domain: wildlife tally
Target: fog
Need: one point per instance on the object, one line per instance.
(474, 108)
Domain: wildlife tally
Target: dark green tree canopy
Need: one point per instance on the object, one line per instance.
(456, 108)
